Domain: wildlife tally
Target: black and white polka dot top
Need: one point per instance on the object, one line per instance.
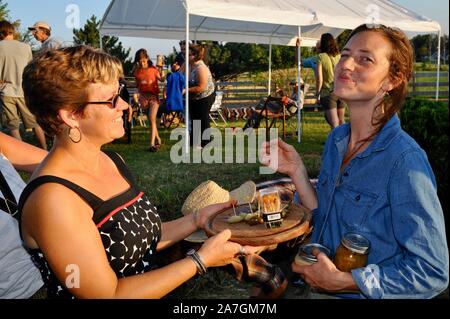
(129, 226)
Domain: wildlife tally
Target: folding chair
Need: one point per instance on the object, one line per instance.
(273, 110)
(216, 108)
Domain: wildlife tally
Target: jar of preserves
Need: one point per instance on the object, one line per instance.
(305, 256)
(352, 253)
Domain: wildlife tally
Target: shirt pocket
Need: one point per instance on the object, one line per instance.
(355, 207)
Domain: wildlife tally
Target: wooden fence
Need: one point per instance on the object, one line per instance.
(424, 84)
(239, 94)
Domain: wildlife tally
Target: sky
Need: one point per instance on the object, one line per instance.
(55, 12)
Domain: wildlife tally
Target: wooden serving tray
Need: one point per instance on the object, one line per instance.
(295, 223)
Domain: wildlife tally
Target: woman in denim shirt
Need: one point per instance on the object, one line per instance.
(374, 180)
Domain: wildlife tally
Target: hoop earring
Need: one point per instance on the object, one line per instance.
(69, 133)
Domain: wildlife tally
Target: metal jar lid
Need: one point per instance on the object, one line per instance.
(306, 251)
(356, 243)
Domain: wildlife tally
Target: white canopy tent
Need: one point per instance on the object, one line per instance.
(255, 21)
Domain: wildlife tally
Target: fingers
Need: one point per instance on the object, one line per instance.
(322, 257)
(224, 235)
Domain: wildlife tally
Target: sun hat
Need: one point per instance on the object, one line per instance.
(209, 193)
(40, 24)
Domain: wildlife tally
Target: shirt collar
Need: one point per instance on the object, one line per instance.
(383, 139)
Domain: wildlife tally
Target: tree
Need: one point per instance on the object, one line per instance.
(90, 35)
(4, 12)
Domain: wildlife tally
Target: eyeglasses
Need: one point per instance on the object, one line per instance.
(114, 100)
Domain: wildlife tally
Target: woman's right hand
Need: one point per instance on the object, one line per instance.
(218, 251)
(284, 159)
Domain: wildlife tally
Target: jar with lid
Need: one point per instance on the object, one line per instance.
(305, 256)
(352, 253)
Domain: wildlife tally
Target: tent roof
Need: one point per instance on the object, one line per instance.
(254, 21)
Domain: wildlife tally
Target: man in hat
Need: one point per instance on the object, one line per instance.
(14, 56)
(41, 31)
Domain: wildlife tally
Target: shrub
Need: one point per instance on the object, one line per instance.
(427, 122)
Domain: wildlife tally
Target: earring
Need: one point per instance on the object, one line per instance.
(69, 133)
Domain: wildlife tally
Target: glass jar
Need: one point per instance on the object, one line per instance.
(305, 256)
(352, 253)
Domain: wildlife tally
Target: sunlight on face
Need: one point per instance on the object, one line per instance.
(362, 72)
(143, 63)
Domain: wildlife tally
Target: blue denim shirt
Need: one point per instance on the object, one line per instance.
(387, 193)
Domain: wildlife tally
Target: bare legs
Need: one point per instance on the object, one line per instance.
(154, 135)
(38, 132)
(332, 117)
(40, 137)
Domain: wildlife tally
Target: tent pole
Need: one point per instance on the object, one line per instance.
(101, 42)
(438, 65)
(186, 54)
(270, 68)
(299, 111)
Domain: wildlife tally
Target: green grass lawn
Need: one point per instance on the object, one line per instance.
(168, 184)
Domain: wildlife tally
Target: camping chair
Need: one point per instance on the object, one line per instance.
(216, 108)
(170, 118)
(273, 110)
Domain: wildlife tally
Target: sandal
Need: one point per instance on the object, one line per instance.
(152, 149)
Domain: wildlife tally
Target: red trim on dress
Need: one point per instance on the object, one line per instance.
(119, 208)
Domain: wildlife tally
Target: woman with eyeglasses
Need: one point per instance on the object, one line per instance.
(85, 222)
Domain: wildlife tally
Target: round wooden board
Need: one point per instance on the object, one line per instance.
(295, 224)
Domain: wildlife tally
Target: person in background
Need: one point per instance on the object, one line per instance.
(127, 116)
(375, 181)
(201, 94)
(334, 108)
(103, 242)
(147, 77)
(180, 58)
(19, 277)
(14, 56)
(41, 31)
(174, 89)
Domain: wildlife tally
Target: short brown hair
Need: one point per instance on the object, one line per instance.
(6, 28)
(59, 79)
(198, 51)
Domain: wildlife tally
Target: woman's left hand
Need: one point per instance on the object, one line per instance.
(323, 275)
(206, 212)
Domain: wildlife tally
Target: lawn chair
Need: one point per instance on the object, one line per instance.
(216, 108)
(272, 110)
